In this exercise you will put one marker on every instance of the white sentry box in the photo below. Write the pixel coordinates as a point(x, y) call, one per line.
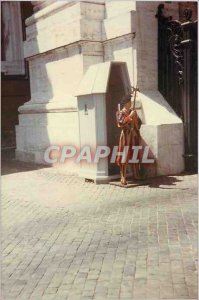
point(98, 95)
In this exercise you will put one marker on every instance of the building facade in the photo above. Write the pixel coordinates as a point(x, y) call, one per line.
point(64, 39)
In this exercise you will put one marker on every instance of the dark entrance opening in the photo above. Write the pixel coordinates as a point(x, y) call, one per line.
point(118, 86)
point(14, 72)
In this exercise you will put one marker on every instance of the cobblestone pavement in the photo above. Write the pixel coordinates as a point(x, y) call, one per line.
point(67, 239)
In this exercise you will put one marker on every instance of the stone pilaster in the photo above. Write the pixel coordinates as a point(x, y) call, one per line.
point(63, 40)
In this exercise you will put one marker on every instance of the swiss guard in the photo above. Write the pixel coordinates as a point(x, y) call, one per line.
point(130, 123)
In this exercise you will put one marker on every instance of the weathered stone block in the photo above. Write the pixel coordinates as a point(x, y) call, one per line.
point(115, 8)
point(63, 26)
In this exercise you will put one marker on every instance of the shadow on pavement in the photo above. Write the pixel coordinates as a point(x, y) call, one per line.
point(167, 182)
point(161, 182)
point(9, 165)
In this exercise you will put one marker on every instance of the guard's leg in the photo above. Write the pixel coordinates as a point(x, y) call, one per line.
point(123, 177)
point(136, 171)
point(121, 174)
point(125, 168)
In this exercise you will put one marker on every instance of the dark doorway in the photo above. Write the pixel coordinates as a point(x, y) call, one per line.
point(14, 73)
point(117, 88)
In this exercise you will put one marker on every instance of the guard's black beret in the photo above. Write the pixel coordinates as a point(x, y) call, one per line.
point(126, 98)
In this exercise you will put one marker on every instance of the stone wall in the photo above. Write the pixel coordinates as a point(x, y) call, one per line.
point(63, 40)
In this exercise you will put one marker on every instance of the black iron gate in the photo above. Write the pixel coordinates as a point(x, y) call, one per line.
point(177, 75)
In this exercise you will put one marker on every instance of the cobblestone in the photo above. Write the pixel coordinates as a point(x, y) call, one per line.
point(69, 239)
